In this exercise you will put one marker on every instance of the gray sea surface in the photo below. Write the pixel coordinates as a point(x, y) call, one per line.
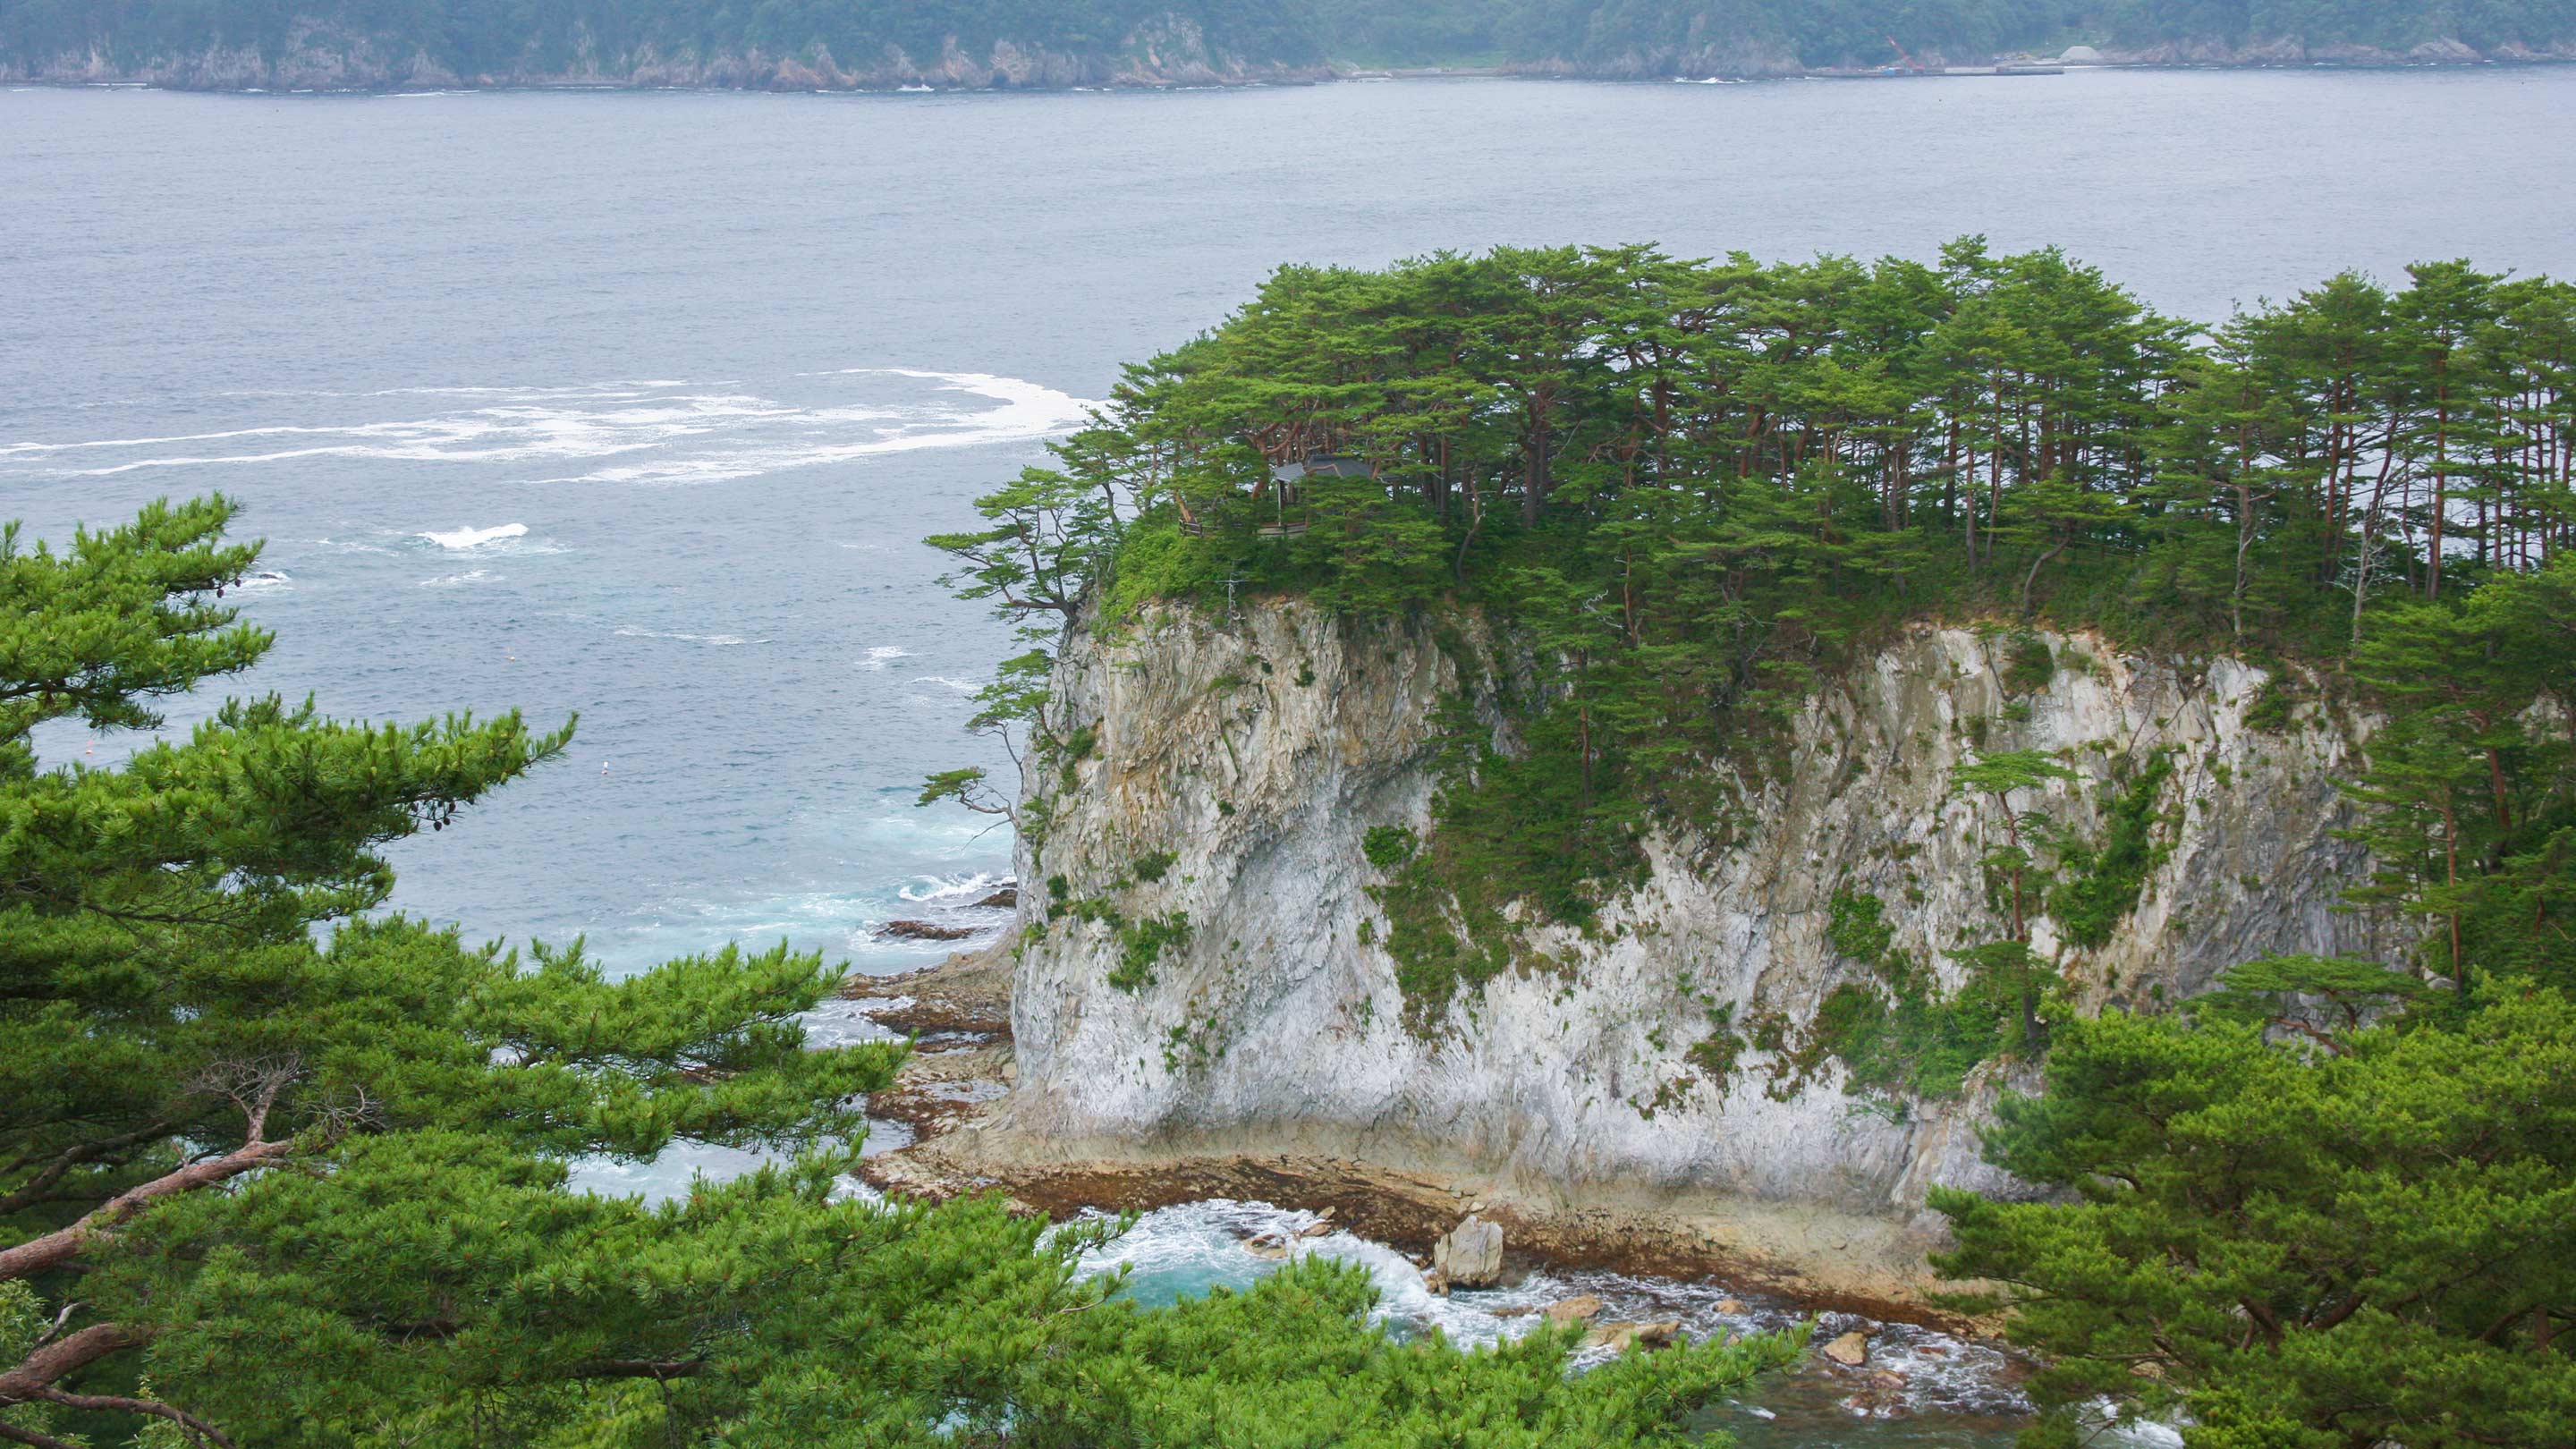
point(636, 405)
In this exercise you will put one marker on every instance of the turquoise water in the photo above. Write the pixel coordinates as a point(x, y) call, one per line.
point(1952, 1394)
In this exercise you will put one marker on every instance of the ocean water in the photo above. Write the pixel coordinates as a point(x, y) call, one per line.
point(636, 405)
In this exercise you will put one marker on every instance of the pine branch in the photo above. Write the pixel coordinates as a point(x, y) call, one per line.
point(59, 1247)
point(39, 1188)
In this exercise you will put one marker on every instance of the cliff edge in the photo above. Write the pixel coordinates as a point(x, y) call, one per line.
point(1205, 970)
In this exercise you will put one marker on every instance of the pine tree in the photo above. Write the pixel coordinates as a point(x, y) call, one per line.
point(2298, 1249)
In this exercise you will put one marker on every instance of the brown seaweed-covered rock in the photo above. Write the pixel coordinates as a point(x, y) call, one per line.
point(923, 931)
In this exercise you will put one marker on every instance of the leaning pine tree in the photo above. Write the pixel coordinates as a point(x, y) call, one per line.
point(276, 1171)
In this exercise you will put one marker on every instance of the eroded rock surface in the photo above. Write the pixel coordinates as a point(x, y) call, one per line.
point(1249, 759)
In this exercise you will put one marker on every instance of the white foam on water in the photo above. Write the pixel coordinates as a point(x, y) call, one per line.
point(661, 431)
point(476, 537)
point(31, 447)
point(950, 889)
point(631, 631)
point(452, 581)
point(838, 1021)
point(1028, 411)
point(878, 656)
point(683, 1163)
point(533, 425)
point(962, 686)
point(1183, 1251)
point(265, 581)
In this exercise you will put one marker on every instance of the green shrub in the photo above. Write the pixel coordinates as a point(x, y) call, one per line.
point(2032, 666)
point(1855, 927)
point(1715, 1054)
point(2101, 882)
point(1388, 846)
point(1141, 946)
point(2272, 706)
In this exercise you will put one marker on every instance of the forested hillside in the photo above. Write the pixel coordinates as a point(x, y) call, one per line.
point(792, 43)
point(806, 43)
point(1664, 37)
point(2329, 1202)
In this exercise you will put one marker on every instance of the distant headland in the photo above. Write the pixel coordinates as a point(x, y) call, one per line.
point(338, 45)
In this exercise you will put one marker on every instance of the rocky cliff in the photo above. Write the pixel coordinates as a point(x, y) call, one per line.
point(1213, 969)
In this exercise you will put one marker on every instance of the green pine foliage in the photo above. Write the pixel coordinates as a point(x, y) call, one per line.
point(277, 1169)
point(2372, 1244)
point(2329, 1203)
point(2100, 882)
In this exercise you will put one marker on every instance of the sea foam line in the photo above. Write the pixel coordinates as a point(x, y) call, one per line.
point(681, 437)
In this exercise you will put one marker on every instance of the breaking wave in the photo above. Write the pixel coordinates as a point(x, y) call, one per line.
point(644, 432)
point(951, 890)
point(476, 537)
point(630, 631)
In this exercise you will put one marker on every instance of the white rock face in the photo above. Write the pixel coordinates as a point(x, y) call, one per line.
point(1258, 754)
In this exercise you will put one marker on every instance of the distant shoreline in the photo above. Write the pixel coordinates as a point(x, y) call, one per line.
point(1284, 78)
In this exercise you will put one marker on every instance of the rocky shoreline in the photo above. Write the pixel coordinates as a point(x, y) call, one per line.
point(953, 1095)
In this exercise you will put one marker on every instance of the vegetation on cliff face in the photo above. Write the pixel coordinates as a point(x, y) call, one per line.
point(2333, 1203)
point(277, 1171)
